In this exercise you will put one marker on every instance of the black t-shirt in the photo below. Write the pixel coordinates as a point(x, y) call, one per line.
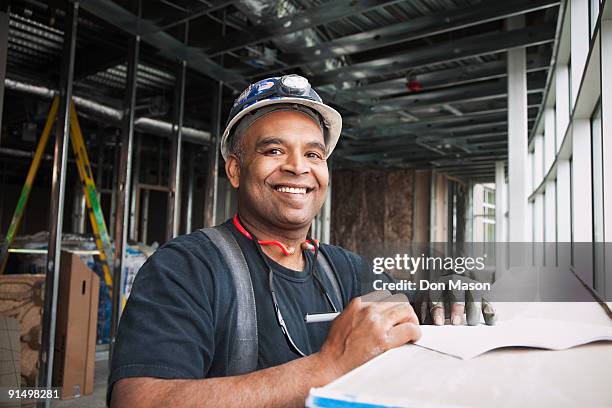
point(180, 318)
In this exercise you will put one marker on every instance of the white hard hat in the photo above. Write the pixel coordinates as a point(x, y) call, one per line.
point(288, 89)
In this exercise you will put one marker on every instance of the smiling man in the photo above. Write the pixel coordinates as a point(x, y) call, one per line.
point(217, 317)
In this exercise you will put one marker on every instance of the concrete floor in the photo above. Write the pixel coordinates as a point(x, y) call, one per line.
point(98, 398)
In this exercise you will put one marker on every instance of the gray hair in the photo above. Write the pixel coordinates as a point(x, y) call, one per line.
point(236, 146)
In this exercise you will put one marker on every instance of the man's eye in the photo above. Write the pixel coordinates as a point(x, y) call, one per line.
point(313, 155)
point(274, 152)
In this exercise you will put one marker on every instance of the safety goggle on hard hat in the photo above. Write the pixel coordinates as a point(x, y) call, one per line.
point(288, 89)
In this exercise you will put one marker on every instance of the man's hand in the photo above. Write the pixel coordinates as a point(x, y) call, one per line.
point(465, 306)
point(369, 326)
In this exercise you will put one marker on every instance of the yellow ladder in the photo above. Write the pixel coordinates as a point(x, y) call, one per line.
point(89, 189)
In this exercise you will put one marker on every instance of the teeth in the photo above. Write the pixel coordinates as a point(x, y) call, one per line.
point(292, 190)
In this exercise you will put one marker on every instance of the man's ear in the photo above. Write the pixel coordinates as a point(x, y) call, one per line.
point(232, 169)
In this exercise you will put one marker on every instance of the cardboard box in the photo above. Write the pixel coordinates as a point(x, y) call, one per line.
point(21, 297)
point(10, 359)
point(77, 317)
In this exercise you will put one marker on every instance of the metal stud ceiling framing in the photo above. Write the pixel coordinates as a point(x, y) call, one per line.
point(360, 54)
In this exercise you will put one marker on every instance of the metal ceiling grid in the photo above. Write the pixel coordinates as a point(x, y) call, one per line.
point(35, 53)
point(453, 49)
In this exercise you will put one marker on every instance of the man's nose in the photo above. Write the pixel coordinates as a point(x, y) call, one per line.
point(296, 163)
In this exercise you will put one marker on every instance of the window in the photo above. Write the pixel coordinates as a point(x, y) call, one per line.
point(556, 249)
point(534, 182)
point(488, 211)
point(533, 227)
point(594, 6)
point(556, 137)
point(484, 212)
point(598, 205)
point(543, 215)
point(489, 197)
point(490, 232)
point(571, 169)
point(570, 104)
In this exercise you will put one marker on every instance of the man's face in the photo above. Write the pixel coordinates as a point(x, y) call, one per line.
point(283, 176)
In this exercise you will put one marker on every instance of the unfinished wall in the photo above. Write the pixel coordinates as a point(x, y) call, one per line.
point(36, 214)
point(439, 219)
point(372, 207)
point(422, 199)
point(462, 192)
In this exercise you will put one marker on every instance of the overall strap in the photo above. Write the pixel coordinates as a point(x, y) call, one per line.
point(244, 353)
point(324, 265)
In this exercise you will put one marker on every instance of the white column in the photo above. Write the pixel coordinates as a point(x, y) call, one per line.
point(549, 139)
point(477, 199)
point(469, 214)
point(564, 216)
point(550, 222)
point(581, 170)
point(532, 229)
point(562, 102)
point(606, 123)
point(500, 201)
point(582, 198)
point(579, 42)
point(506, 207)
point(517, 139)
point(500, 210)
point(530, 188)
point(538, 220)
point(550, 232)
point(538, 225)
point(538, 163)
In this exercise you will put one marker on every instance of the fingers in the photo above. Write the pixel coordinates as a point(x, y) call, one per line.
point(436, 307)
point(402, 334)
point(399, 314)
point(437, 313)
point(473, 307)
point(477, 305)
point(457, 298)
point(367, 328)
point(457, 312)
point(394, 310)
point(472, 312)
point(462, 306)
point(488, 311)
point(423, 312)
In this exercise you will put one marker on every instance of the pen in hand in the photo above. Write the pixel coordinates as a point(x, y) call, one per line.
point(320, 317)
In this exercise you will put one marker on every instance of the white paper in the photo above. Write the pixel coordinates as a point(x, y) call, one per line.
point(470, 341)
